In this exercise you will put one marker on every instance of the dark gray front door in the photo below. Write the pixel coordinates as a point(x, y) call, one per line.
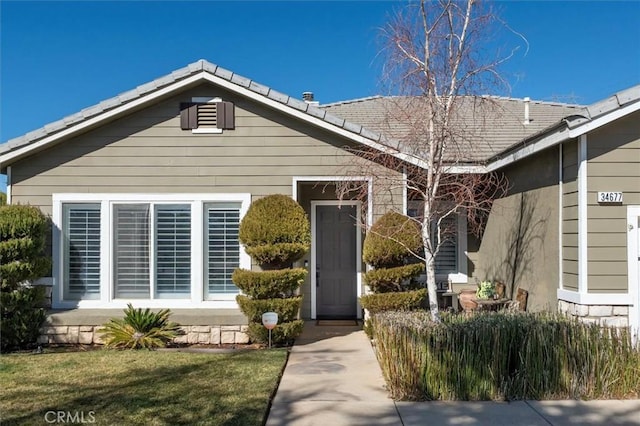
point(336, 261)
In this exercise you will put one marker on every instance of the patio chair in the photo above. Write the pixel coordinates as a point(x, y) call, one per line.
point(521, 297)
point(520, 302)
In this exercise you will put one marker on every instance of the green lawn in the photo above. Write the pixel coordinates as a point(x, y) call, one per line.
point(140, 387)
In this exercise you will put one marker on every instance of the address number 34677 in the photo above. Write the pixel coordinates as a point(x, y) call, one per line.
point(610, 197)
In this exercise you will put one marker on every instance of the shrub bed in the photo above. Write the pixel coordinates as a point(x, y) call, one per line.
point(504, 356)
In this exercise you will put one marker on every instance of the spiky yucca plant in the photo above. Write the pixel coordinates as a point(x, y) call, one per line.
point(140, 329)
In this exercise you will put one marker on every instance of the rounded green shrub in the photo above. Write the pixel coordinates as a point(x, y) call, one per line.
point(391, 240)
point(269, 284)
point(400, 278)
point(395, 301)
point(282, 334)
point(275, 231)
point(278, 255)
point(23, 231)
point(287, 309)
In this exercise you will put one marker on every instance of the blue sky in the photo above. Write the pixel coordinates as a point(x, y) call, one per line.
point(60, 57)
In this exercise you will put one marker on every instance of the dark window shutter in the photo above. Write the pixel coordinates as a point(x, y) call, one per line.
point(226, 115)
point(188, 115)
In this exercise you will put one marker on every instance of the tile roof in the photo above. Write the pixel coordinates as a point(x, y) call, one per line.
point(497, 126)
point(497, 129)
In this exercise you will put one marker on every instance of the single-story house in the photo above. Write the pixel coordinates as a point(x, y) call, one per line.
point(146, 191)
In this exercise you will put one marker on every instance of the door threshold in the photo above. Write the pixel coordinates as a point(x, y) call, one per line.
point(338, 322)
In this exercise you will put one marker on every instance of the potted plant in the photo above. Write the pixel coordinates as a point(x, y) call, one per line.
point(486, 290)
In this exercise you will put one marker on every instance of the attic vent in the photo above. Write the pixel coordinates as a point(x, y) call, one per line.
point(207, 115)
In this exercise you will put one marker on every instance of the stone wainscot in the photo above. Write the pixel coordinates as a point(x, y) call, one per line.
point(83, 326)
point(608, 315)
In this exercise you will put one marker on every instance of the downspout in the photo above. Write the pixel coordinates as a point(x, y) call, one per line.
point(8, 185)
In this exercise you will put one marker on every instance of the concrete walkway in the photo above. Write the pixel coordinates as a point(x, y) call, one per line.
point(333, 378)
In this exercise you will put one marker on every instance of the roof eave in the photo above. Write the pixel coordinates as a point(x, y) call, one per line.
point(192, 74)
point(566, 129)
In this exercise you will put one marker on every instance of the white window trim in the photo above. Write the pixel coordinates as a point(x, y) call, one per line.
point(106, 201)
point(206, 100)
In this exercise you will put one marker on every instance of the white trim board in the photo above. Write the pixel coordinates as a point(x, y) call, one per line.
point(312, 280)
point(621, 299)
point(315, 179)
point(583, 260)
point(633, 265)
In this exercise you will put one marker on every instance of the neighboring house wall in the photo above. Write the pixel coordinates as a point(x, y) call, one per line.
point(613, 154)
point(519, 245)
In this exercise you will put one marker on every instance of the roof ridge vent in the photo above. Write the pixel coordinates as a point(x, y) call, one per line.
point(308, 98)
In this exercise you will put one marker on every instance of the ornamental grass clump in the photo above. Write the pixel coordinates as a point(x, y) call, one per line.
point(389, 247)
point(140, 329)
point(504, 356)
point(275, 232)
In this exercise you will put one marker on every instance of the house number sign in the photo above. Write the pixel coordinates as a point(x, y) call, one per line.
point(609, 197)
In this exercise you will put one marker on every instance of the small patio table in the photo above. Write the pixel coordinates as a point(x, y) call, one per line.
point(491, 304)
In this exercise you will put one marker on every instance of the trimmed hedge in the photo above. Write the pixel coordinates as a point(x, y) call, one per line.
point(392, 279)
point(275, 230)
point(394, 301)
point(284, 333)
point(21, 317)
point(269, 284)
point(275, 256)
point(287, 309)
point(391, 240)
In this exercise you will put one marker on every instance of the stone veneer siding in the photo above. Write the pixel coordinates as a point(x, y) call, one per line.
point(608, 315)
point(194, 334)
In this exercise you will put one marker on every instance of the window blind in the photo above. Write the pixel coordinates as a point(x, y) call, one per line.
point(447, 257)
point(173, 250)
point(222, 247)
point(81, 251)
point(131, 250)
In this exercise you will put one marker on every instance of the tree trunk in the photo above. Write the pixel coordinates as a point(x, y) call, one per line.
point(432, 288)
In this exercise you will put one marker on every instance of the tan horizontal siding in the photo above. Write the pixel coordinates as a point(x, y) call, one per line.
point(607, 254)
point(613, 153)
point(611, 225)
point(570, 253)
point(570, 214)
point(569, 281)
point(607, 239)
point(607, 290)
point(570, 239)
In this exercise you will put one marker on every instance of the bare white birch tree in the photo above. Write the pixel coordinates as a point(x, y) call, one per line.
point(440, 57)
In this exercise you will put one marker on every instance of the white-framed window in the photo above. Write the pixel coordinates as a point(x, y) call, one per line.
point(170, 250)
point(451, 260)
point(222, 248)
point(81, 242)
